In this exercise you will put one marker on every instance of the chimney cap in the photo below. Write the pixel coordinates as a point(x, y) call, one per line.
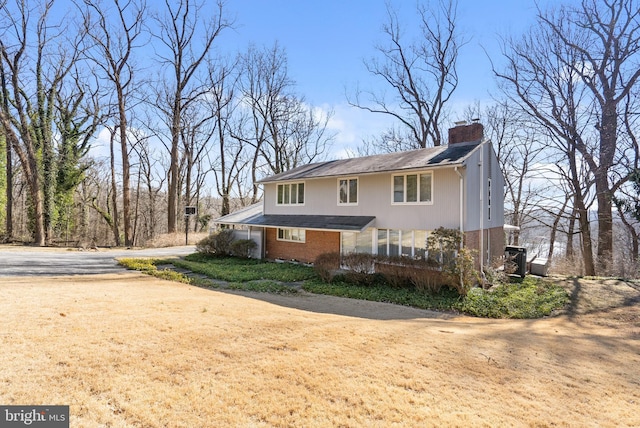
point(460, 122)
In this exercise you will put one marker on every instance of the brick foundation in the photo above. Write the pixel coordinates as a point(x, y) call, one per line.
point(317, 242)
point(493, 239)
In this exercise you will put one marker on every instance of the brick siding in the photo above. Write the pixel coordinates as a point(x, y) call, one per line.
point(317, 242)
point(496, 242)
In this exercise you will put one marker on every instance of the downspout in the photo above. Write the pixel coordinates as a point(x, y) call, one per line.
point(481, 165)
point(461, 205)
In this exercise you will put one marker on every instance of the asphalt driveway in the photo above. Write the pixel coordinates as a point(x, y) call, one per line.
point(33, 261)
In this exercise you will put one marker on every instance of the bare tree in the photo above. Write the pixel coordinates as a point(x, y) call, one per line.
point(518, 150)
point(36, 59)
point(421, 74)
point(152, 178)
point(574, 73)
point(96, 191)
point(609, 68)
point(281, 128)
point(8, 167)
point(115, 38)
point(188, 35)
point(197, 131)
point(77, 119)
point(227, 160)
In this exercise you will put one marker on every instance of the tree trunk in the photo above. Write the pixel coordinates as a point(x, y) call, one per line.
point(114, 196)
point(38, 209)
point(48, 188)
point(605, 224)
point(554, 229)
point(9, 192)
point(174, 170)
point(587, 246)
point(608, 142)
point(126, 172)
point(570, 252)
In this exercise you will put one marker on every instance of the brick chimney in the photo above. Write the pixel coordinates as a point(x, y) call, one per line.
point(465, 132)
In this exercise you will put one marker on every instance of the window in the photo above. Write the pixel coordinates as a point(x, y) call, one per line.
point(383, 241)
point(419, 244)
point(406, 243)
point(293, 235)
point(353, 242)
point(386, 242)
point(412, 188)
point(348, 191)
point(290, 193)
point(394, 243)
point(363, 242)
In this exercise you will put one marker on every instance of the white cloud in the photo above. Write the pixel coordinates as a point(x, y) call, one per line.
point(100, 144)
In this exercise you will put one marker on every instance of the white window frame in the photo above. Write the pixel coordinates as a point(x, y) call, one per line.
point(404, 190)
point(348, 180)
point(402, 234)
point(290, 186)
point(299, 236)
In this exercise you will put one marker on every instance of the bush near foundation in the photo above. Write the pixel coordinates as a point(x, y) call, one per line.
point(360, 268)
point(242, 248)
point(326, 265)
point(220, 244)
point(425, 275)
point(394, 271)
point(447, 265)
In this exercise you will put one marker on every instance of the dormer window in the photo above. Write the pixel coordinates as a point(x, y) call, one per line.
point(291, 194)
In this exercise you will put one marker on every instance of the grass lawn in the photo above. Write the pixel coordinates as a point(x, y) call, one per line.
point(521, 298)
point(126, 349)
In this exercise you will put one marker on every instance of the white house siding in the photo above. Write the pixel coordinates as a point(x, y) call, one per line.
point(472, 196)
point(375, 198)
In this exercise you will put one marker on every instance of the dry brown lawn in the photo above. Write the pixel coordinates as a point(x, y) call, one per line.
point(128, 350)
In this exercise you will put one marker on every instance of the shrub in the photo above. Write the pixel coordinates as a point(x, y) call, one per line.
point(493, 275)
point(456, 264)
point(393, 270)
point(242, 248)
point(462, 273)
point(326, 265)
point(206, 245)
point(447, 265)
point(426, 279)
point(443, 245)
point(424, 275)
point(360, 268)
point(217, 244)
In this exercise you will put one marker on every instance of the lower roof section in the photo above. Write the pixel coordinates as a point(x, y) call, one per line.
point(253, 216)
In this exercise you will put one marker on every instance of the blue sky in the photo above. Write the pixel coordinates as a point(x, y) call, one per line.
point(327, 41)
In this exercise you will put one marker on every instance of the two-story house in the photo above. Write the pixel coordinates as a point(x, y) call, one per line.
point(383, 204)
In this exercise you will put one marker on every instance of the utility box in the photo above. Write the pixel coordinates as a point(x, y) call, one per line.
point(539, 266)
point(515, 260)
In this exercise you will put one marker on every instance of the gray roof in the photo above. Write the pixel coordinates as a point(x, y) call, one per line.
point(449, 155)
point(252, 216)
